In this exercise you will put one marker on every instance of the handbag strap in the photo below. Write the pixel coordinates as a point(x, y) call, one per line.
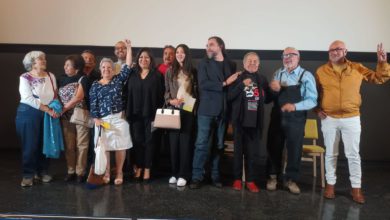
point(77, 88)
point(52, 86)
point(167, 107)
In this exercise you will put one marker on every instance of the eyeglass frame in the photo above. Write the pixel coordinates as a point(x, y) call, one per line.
point(289, 55)
point(337, 49)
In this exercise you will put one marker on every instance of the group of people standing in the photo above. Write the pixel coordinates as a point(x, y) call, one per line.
point(126, 95)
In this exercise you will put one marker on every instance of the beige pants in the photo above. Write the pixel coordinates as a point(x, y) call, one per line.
point(76, 138)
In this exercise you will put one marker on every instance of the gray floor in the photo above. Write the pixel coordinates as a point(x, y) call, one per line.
point(159, 200)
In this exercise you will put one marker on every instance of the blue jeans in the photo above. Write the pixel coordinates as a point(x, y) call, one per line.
point(29, 128)
point(207, 125)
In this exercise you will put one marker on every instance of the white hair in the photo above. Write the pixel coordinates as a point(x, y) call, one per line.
point(30, 57)
point(293, 48)
point(249, 54)
point(107, 60)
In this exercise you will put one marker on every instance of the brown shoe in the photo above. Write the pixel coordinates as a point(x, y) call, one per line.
point(293, 187)
point(357, 195)
point(271, 183)
point(329, 191)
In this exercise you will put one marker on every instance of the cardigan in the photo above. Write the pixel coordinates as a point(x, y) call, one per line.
point(237, 97)
point(172, 86)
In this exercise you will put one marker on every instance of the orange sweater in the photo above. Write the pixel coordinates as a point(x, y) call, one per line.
point(339, 94)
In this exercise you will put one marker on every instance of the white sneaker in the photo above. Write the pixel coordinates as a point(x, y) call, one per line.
point(181, 182)
point(46, 178)
point(172, 180)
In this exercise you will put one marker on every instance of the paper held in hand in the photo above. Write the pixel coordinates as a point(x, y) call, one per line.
point(189, 103)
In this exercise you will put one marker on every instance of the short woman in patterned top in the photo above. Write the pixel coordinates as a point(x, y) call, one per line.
point(107, 106)
point(37, 89)
point(76, 137)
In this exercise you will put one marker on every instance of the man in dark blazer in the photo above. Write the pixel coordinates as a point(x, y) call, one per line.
point(215, 74)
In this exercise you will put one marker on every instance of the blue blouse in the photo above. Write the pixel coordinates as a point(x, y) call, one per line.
point(107, 99)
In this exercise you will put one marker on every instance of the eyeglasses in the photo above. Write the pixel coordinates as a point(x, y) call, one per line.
point(289, 55)
point(337, 49)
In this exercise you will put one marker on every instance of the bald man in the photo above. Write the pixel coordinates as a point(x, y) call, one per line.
point(120, 53)
point(338, 84)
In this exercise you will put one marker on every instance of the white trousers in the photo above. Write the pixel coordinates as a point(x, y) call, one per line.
point(349, 129)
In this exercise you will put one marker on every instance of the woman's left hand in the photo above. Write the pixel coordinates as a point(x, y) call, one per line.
point(98, 122)
point(53, 114)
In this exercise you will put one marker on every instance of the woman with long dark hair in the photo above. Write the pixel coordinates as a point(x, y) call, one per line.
point(180, 88)
point(145, 95)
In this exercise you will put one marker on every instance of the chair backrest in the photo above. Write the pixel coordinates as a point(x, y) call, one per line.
point(311, 130)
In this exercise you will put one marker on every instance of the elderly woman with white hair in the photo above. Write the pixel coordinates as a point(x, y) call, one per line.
point(247, 95)
point(107, 106)
point(37, 89)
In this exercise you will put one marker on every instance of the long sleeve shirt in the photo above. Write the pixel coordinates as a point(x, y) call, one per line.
point(36, 90)
point(107, 99)
point(308, 87)
point(339, 89)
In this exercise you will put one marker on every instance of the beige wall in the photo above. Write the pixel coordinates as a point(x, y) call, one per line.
point(244, 24)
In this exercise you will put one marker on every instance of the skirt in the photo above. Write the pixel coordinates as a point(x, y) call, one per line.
point(117, 136)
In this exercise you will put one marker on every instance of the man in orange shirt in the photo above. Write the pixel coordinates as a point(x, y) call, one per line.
point(338, 84)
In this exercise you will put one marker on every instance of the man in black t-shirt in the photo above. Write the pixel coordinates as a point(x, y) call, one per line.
point(215, 74)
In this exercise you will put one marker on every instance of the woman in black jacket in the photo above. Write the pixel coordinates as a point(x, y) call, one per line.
point(180, 91)
point(145, 95)
point(247, 96)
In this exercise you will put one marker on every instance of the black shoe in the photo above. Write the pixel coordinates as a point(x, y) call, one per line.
point(217, 184)
point(195, 184)
point(80, 178)
point(70, 177)
point(146, 181)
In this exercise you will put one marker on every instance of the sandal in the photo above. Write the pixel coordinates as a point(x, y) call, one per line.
point(106, 178)
point(146, 177)
point(119, 179)
point(137, 174)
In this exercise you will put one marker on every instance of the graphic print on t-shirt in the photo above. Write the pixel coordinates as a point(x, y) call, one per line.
point(252, 96)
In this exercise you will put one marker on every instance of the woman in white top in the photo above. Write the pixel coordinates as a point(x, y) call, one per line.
point(37, 89)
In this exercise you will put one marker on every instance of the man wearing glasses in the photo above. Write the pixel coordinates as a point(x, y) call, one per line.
point(120, 53)
point(339, 101)
point(294, 93)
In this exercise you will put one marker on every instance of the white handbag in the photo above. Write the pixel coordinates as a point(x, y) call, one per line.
point(100, 154)
point(167, 118)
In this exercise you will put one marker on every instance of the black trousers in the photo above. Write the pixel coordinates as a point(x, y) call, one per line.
point(285, 130)
point(247, 146)
point(143, 141)
point(182, 146)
